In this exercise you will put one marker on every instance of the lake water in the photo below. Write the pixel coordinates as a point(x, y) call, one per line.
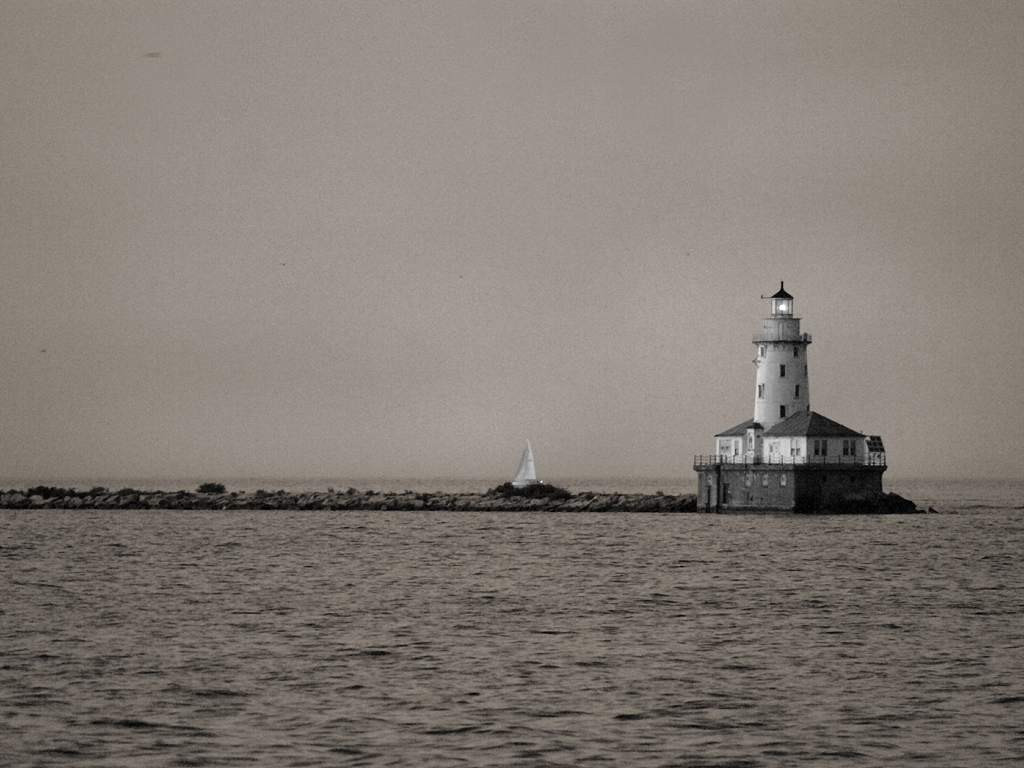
point(497, 639)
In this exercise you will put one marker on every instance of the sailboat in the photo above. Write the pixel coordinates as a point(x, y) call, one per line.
point(527, 474)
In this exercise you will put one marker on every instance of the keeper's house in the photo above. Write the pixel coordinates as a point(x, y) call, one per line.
point(788, 457)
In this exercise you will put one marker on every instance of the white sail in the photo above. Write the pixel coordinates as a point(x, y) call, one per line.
point(527, 474)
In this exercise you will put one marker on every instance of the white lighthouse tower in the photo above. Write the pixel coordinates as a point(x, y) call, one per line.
point(782, 381)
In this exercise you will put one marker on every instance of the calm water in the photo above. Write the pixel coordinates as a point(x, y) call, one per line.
point(471, 639)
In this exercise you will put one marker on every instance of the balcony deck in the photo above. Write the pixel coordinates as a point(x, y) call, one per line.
point(761, 338)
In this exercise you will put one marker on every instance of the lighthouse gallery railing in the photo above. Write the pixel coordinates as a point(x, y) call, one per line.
point(869, 460)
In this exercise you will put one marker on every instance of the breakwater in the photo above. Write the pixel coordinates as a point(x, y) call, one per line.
point(128, 498)
point(501, 499)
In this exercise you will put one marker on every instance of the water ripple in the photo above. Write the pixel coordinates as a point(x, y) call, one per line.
point(375, 639)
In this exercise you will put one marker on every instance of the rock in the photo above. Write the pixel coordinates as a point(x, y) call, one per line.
point(893, 503)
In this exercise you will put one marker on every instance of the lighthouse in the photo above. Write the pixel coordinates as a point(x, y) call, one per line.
point(788, 457)
point(782, 382)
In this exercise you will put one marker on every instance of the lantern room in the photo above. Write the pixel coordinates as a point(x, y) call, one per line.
point(782, 303)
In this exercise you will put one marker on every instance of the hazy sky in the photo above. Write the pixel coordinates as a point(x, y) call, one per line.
point(400, 238)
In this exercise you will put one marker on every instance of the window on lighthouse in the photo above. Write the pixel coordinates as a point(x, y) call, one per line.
point(782, 371)
point(782, 411)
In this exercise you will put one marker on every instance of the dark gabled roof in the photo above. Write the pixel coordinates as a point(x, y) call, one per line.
point(810, 424)
point(782, 292)
point(739, 429)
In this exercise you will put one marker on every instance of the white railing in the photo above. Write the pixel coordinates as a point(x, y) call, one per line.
point(781, 335)
point(866, 460)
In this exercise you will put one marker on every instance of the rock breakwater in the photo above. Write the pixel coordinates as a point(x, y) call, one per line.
point(352, 499)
